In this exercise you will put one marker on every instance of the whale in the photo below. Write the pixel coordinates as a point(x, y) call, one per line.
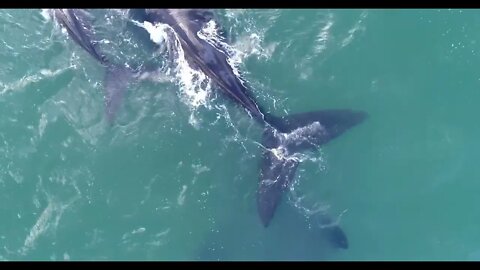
point(79, 25)
point(283, 136)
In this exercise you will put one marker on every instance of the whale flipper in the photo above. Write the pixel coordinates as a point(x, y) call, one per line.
point(334, 234)
point(291, 135)
point(117, 79)
point(79, 27)
point(275, 177)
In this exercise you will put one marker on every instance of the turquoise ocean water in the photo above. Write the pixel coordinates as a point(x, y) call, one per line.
point(175, 177)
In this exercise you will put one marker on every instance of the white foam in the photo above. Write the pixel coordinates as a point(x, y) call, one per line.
point(46, 14)
point(157, 32)
point(210, 34)
point(297, 136)
point(324, 35)
point(160, 238)
point(195, 86)
point(181, 196)
point(42, 224)
point(358, 27)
